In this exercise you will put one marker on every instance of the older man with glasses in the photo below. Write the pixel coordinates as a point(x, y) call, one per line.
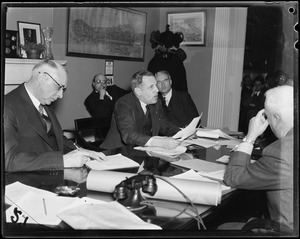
point(32, 134)
point(100, 103)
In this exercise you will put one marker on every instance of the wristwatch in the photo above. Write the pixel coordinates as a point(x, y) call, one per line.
point(250, 141)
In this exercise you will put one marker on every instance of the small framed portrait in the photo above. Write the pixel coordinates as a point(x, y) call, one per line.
point(29, 33)
point(110, 79)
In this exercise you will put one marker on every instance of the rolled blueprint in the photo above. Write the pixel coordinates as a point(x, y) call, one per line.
point(200, 192)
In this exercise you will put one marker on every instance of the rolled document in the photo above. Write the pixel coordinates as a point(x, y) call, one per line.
point(200, 192)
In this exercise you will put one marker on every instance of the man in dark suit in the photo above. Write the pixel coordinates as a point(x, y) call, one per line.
point(273, 172)
point(100, 103)
point(32, 134)
point(139, 118)
point(179, 105)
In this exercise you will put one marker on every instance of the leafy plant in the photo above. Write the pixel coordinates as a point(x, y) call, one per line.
point(33, 46)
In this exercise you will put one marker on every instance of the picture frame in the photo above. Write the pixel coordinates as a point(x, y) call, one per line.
point(29, 32)
point(103, 32)
point(191, 24)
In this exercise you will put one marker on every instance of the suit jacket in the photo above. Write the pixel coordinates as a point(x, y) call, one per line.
point(104, 108)
point(181, 109)
point(273, 172)
point(27, 146)
point(126, 125)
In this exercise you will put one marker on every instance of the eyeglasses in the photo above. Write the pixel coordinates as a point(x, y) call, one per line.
point(60, 87)
point(101, 81)
point(165, 81)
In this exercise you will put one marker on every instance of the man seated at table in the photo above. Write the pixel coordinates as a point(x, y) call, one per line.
point(100, 103)
point(32, 134)
point(139, 118)
point(273, 172)
point(179, 105)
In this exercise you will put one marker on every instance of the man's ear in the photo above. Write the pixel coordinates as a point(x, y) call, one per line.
point(276, 120)
point(137, 91)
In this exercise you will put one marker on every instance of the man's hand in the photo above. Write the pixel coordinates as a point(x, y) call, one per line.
point(102, 93)
point(257, 125)
point(165, 142)
point(78, 175)
point(77, 158)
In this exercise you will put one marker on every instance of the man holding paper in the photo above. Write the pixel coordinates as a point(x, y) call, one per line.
point(139, 118)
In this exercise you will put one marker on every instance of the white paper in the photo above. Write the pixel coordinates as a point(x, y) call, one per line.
point(212, 133)
point(103, 215)
point(113, 162)
point(15, 191)
point(165, 152)
point(201, 192)
point(39, 209)
point(188, 130)
point(200, 165)
point(206, 143)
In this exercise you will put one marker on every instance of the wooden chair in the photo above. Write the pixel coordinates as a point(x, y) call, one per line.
point(90, 132)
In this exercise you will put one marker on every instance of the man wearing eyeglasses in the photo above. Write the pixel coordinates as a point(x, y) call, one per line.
point(32, 134)
point(100, 103)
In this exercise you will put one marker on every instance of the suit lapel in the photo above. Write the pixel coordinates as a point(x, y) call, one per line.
point(32, 115)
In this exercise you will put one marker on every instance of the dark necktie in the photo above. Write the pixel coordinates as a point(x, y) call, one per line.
point(163, 101)
point(148, 113)
point(46, 120)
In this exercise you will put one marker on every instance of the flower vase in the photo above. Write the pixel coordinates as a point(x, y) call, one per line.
point(48, 32)
point(34, 54)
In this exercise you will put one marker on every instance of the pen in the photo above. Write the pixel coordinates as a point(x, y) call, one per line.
point(99, 160)
point(45, 209)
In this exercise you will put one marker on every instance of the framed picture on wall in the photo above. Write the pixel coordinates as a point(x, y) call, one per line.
point(103, 32)
point(191, 24)
point(29, 33)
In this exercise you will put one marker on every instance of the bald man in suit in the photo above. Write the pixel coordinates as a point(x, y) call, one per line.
point(32, 134)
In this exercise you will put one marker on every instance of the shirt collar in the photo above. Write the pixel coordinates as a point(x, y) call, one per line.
point(34, 100)
point(143, 107)
point(168, 97)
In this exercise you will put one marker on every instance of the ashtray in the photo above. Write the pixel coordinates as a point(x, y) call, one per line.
point(67, 190)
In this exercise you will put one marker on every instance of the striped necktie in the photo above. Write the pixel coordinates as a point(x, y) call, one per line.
point(46, 120)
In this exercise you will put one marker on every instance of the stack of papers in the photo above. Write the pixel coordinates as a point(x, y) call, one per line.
point(113, 162)
point(212, 133)
point(164, 152)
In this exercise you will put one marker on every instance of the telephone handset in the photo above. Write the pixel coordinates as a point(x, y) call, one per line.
point(128, 192)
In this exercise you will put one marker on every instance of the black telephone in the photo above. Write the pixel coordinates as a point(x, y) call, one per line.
point(128, 192)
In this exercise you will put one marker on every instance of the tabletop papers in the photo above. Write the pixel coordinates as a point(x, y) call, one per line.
point(35, 208)
point(113, 162)
point(204, 168)
point(201, 192)
point(165, 152)
point(92, 214)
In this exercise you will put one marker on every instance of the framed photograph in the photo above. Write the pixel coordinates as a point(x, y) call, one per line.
point(111, 33)
point(110, 79)
point(191, 24)
point(29, 32)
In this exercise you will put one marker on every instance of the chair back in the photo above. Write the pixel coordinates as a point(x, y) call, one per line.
point(90, 132)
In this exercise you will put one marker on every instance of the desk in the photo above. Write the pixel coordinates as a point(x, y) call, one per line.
point(173, 217)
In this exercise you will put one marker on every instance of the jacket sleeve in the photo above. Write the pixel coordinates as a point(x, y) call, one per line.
point(127, 124)
point(30, 157)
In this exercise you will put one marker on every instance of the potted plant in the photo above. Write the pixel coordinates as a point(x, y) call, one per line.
point(33, 50)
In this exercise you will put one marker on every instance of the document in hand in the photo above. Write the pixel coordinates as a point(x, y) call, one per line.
point(188, 130)
point(113, 162)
